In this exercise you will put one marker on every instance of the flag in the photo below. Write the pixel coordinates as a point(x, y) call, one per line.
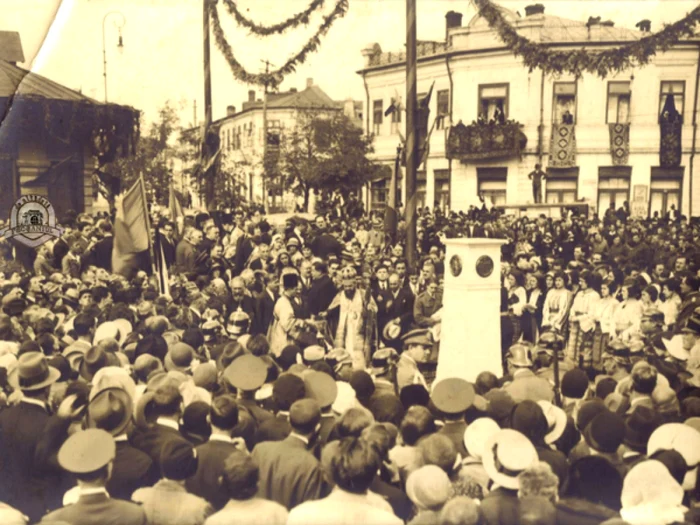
point(425, 147)
point(132, 239)
point(176, 213)
point(160, 265)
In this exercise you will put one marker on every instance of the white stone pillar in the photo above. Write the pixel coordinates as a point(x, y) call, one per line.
point(470, 340)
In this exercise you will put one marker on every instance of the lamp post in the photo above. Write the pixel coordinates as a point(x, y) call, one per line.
point(120, 43)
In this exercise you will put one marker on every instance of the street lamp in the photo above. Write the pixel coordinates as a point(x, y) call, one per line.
point(120, 43)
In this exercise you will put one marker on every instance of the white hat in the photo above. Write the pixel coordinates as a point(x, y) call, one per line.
point(556, 421)
point(477, 434)
point(685, 440)
point(506, 454)
point(107, 330)
point(645, 502)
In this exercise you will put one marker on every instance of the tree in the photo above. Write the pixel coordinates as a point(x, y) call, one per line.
point(324, 153)
point(154, 153)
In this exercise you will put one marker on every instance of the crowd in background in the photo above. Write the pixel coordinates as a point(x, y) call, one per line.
point(282, 373)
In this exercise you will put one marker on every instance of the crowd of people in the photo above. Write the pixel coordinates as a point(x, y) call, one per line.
point(281, 373)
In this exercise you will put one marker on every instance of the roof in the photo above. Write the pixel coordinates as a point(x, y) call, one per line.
point(542, 28)
point(15, 80)
point(11, 46)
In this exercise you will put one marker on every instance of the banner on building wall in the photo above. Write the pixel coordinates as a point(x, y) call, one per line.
point(562, 149)
point(670, 146)
point(639, 204)
point(620, 144)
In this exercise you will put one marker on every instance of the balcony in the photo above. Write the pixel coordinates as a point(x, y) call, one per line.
point(483, 141)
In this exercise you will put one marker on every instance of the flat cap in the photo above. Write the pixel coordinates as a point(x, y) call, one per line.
point(320, 387)
point(246, 372)
point(452, 395)
point(87, 451)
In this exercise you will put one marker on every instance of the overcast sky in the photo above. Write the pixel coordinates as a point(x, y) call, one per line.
point(162, 54)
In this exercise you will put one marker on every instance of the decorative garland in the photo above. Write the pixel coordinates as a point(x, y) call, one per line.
point(539, 56)
point(273, 78)
point(294, 21)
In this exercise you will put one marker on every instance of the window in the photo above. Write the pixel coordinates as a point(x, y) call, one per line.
point(493, 102)
point(671, 101)
point(396, 116)
point(665, 191)
point(380, 194)
point(442, 189)
point(273, 133)
point(613, 187)
point(378, 115)
point(491, 184)
point(619, 95)
point(564, 106)
point(561, 185)
point(443, 108)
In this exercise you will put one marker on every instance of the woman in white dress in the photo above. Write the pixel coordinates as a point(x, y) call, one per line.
point(603, 314)
point(517, 298)
point(672, 302)
point(629, 313)
point(581, 321)
point(556, 305)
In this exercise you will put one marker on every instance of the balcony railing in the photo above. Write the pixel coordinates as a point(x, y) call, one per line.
point(479, 141)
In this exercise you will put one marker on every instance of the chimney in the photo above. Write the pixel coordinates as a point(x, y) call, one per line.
point(370, 53)
point(309, 82)
point(535, 9)
point(644, 25)
point(452, 19)
point(608, 23)
point(251, 95)
point(230, 111)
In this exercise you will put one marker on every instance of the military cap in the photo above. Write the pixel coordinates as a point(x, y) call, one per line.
point(87, 451)
point(246, 372)
point(692, 326)
point(551, 341)
point(417, 337)
point(619, 351)
point(452, 395)
point(338, 356)
point(382, 358)
point(321, 387)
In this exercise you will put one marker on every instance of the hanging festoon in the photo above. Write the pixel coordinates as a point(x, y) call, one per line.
point(292, 22)
point(273, 78)
point(577, 62)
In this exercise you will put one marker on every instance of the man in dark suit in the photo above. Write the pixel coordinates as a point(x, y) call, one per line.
point(239, 299)
point(223, 415)
point(167, 242)
point(88, 455)
point(100, 254)
point(322, 290)
point(289, 472)
point(25, 484)
point(111, 411)
point(400, 305)
point(265, 304)
point(166, 405)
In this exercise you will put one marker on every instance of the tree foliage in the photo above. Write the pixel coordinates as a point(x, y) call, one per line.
point(325, 153)
point(154, 155)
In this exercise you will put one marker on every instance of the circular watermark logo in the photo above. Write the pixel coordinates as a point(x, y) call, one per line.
point(32, 221)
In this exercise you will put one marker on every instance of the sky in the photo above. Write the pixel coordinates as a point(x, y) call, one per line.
point(161, 57)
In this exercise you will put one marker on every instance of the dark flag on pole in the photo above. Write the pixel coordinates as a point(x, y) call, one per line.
point(390, 214)
point(422, 117)
point(160, 265)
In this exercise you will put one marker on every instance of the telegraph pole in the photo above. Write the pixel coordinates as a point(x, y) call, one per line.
point(266, 202)
point(206, 154)
point(411, 142)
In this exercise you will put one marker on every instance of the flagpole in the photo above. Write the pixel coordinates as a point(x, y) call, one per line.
point(208, 184)
point(148, 224)
point(411, 143)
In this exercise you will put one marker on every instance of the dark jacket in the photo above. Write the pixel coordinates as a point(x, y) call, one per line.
point(101, 253)
point(455, 431)
point(132, 470)
point(210, 466)
point(500, 507)
point(574, 511)
point(31, 486)
point(320, 294)
point(289, 473)
point(98, 509)
point(152, 440)
point(264, 312)
point(324, 245)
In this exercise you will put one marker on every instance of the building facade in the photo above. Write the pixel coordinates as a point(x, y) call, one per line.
point(628, 137)
point(242, 138)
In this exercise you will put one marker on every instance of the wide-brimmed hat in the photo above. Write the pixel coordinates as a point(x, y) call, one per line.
point(33, 372)
point(111, 410)
point(639, 426)
point(107, 330)
point(556, 421)
point(506, 454)
point(392, 331)
point(321, 387)
point(478, 433)
point(679, 437)
point(605, 432)
point(428, 487)
point(95, 359)
point(382, 359)
point(651, 495)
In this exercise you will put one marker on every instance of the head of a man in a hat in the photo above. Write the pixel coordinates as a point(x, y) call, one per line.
point(691, 331)
point(89, 455)
point(349, 280)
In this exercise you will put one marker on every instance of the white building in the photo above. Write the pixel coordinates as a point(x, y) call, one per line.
point(241, 132)
point(474, 73)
